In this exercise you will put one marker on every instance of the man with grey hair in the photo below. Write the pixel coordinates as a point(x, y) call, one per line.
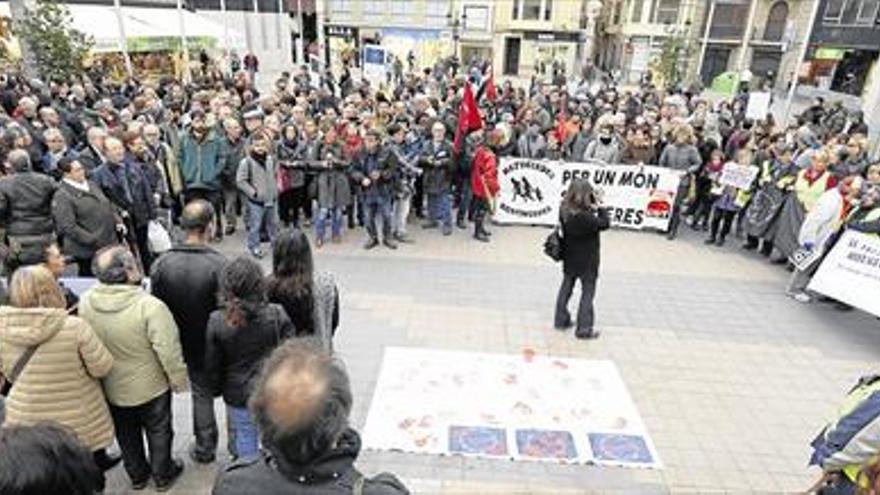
point(92, 155)
point(140, 333)
point(301, 403)
point(233, 154)
point(56, 149)
point(26, 210)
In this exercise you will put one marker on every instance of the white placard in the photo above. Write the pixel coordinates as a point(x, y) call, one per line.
point(851, 272)
point(759, 105)
point(739, 176)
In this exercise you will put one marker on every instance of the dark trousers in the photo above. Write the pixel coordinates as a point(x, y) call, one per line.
point(373, 207)
point(204, 421)
point(585, 310)
point(153, 419)
point(465, 197)
point(141, 237)
point(83, 267)
point(291, 202)
point(722, 219)
point(481, 209)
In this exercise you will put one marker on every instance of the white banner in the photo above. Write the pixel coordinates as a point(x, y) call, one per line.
point(637, 197)
point(851, 272)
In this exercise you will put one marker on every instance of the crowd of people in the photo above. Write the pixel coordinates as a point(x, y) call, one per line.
point(96, 171)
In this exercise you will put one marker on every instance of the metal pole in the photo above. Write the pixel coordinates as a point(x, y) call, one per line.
point(801, 59)
point(747, 36)
point(117, 4)
point(301, 51)
point(184, 50)
point(703, 48)
point(225, 33)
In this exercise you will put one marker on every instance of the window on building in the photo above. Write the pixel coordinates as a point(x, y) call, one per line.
point(402, 7)
point(637, 7)
point(777, 21)
point(340, 7)
point(834, 10)
point(548, 9)
point(374, 8)
point(531, 10)
point(666, 11)
point(868, 11)
point(476, 18)
point(729, 21)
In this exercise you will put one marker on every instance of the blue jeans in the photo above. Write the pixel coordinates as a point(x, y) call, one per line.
point(244, 441)
point(259, 215)
point(335, 217)
point(440, 208)
point(373, 206)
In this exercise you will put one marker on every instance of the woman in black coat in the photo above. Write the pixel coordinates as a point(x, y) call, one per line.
point(582, 221)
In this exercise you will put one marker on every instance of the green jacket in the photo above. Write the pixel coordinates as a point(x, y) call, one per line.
point(140, 333)
point(201, 163)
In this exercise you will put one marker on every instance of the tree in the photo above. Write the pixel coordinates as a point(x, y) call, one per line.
point(59, 51)
point(669, 64)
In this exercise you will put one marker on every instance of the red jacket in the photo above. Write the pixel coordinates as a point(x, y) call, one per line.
point(484, 171)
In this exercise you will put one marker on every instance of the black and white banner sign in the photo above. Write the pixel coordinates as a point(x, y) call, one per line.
point(636, 197)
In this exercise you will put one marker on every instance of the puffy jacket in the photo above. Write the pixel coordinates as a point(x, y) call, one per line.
point(484, 175)
point(201, 163)
point(26, 203)
point(60, 382)
point(140, 333)
point(187, 280)
point(84, 220)
point(331, 474)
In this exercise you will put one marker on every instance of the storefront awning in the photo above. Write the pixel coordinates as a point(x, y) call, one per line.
point(146, 29)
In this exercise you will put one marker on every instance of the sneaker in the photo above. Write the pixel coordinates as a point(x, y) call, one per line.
point(389, 244)
point(165, 484)
point(461, 224)
point(803, 298)
point(373, 242)
point(447, 230)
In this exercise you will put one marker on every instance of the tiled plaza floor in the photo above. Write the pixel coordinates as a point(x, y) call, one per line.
point(732, 378)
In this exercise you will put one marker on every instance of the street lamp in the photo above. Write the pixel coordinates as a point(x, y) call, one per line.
point(456, 21)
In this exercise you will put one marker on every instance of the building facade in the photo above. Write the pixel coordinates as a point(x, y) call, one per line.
point(530, 35)
point(632, 33)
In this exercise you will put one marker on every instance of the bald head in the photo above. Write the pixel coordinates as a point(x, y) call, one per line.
point(115, 265)
point(301, 401)
point(197, 218)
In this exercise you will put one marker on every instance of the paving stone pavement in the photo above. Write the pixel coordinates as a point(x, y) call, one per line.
point(732, 378)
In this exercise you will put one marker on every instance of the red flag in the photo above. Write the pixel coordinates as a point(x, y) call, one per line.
point(468, 117)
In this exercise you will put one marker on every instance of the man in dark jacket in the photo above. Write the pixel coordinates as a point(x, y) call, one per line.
point(301, 404)
point(126, 186)
point(84, 218)
point(436, 159)
point(374, 172)
point(187, 280)
point(26, 210)
point(92, 156)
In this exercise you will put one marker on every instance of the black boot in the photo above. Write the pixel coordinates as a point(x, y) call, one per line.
point(105, 461)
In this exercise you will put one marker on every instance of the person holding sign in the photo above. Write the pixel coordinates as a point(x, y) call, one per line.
point(734, 190)
point(581, 222)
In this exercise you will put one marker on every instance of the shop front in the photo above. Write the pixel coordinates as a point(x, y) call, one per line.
point(540, 50)
point(341, 46)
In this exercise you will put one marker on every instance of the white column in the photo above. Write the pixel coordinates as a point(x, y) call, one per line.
point(594, 7)
point(123, 46)
point(747, 37)
point(225, 33)
point(801, 59)
point(184, 49)
point(705, 45)
point(301, 49)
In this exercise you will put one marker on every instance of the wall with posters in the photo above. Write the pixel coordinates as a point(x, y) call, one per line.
point(851, 272)
point(637, 197)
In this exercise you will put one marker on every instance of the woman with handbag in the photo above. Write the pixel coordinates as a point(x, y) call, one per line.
point(239, 338)
point(581, 222)
point(53, 362)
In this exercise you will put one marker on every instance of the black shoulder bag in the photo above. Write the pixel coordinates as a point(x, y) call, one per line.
point(7, 384)
point(553, 244)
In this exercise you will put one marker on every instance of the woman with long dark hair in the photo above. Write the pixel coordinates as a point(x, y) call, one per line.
point(582, 221)
point(239, 337)
point(311, 299)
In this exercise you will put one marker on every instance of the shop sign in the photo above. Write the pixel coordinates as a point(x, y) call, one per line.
point(552, 36)
point(340, 31)
point(829, 53)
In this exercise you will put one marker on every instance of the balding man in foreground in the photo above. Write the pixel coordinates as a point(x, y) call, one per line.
point(301, 403)
point(140, 333)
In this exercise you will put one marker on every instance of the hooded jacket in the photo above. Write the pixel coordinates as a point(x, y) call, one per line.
point(60, 382)
point(140, 333)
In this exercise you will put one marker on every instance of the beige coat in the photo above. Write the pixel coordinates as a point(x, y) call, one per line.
point(60, 382)
point(140, 333)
